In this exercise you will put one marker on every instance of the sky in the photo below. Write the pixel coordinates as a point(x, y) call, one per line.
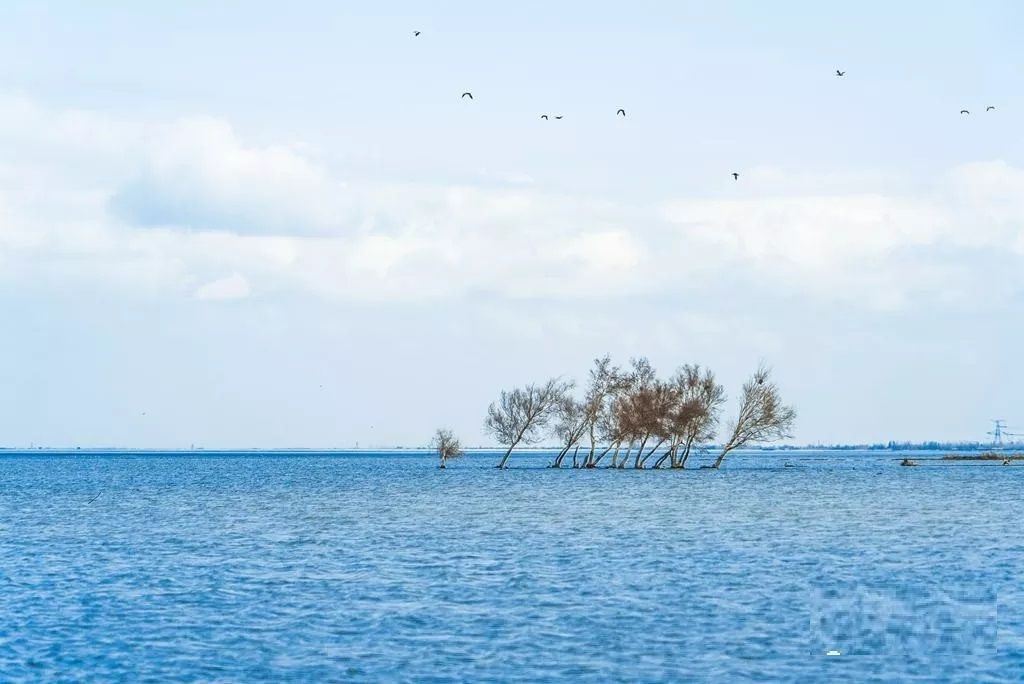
point(265, 224)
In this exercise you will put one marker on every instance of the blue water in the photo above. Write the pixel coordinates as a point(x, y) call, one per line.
point(321, 567)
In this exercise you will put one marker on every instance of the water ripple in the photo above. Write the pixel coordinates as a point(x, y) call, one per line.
point(368, 568)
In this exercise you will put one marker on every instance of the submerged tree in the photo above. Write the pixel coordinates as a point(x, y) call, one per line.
point(762, 416)
point(634, 414)
point(694, 414)
point(520, 415)
point(570, 426)
point(580, 418)
point(446, 445)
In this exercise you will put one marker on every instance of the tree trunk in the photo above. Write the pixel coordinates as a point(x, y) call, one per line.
point(686, 453)
point(603, 454)
point(643, 461)
point(625, 458)
point(561, 455)
point(640, 453)
point(721, 456)
point(504, 459)
point(593, 445)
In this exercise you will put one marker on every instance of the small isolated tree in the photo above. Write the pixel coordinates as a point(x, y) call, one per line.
point(762, 417)
point(446, 445)
point(520, 415)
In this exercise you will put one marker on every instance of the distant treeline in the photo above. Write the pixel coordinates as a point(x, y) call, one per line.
point(631, 418)
point(910, 446)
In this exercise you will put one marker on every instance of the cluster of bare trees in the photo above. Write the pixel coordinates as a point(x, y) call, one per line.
point(633, 418)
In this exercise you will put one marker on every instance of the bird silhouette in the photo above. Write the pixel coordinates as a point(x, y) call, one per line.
point(559, 116)
point(735, 176)
point(964, 111)
point(840, 73)
point(989, 108)
point(544, 116)
point(621, 111)
point(415, 33)
point(468, 94)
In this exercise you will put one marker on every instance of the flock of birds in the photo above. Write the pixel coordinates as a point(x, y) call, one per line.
point(622, 112)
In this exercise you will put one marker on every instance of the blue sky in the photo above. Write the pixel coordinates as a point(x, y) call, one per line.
point(278, 225)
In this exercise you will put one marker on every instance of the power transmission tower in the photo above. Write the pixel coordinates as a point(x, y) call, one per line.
point(997, 432)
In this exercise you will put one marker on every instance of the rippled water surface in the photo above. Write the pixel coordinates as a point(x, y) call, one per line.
point(328, 567)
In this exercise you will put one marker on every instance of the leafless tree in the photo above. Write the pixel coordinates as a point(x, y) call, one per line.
point(639, 412)
point(520, 415)
point(570, 426)
point(606, 382)
point(762, 416)
point(584, 417)
point(693, 415)
point(446, 445)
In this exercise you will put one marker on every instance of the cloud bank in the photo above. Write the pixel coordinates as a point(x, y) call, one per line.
point(167, 208)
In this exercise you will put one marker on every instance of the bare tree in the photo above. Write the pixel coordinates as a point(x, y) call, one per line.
point(655, 418)
point(606, 382)
point(639, 412)
point(446, 445)
point(695, 413)
point(570, 426)
point(520, 415)
point(762, 417)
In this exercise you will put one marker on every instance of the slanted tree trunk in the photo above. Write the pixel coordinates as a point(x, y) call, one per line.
point(513, 445)
point(603, 454)
point(721, 457)
point(504, 459)
point(686, 452)
point(670, 453)
point(625, 458)
point(657, 446)
point(640, 452)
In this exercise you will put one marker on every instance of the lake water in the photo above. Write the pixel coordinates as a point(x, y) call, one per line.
point(335, 567)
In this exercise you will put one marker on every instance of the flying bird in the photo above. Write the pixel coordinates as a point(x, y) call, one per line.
point(735, 176)
point(964, 111)
point(415, 33)
point(544, 116)
point(621, 111)
point(840, 73)
point(559, 116)
point(989, 108)
point(468, 94)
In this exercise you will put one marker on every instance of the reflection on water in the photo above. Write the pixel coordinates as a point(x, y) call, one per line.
point(382, 567)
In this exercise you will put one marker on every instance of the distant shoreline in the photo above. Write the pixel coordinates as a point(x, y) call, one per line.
point(964, 453)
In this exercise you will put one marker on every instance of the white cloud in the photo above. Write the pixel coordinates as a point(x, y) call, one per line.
point(234, 286)
point(157, 208)
point(197, 175)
